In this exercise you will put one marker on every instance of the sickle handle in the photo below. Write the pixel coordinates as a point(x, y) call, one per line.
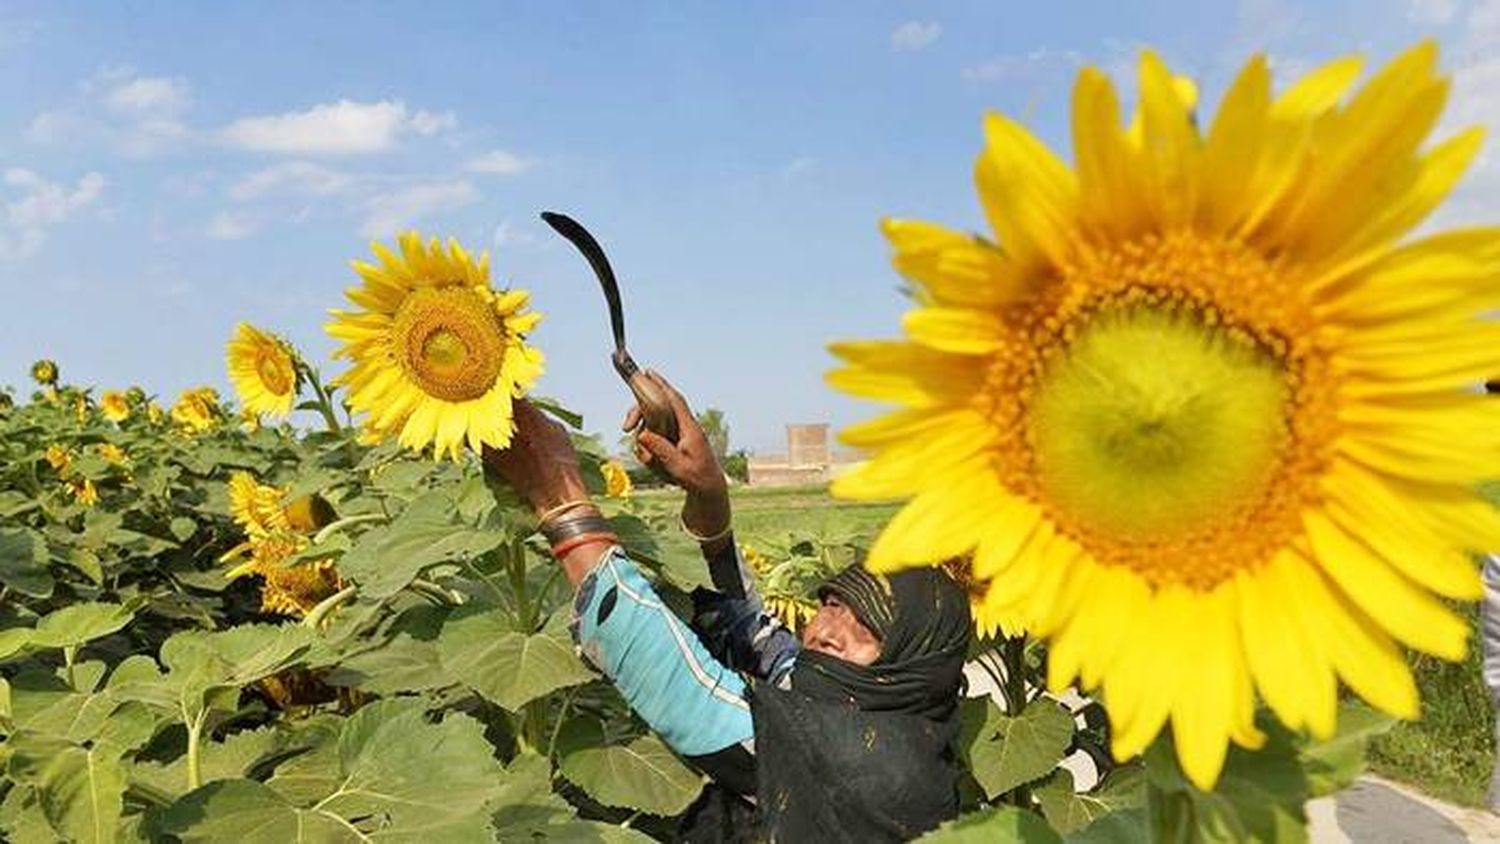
point(656, 411)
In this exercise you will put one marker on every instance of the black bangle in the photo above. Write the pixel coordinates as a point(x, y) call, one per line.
point(563, 529)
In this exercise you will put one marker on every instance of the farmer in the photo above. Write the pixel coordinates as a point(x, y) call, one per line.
point(845, 736)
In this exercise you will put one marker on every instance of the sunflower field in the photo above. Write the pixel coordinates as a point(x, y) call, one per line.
point(1201, 450)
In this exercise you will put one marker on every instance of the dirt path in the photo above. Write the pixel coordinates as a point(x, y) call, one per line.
point(1378, 811)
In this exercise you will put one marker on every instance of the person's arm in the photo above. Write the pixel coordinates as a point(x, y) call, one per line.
point(664, 673)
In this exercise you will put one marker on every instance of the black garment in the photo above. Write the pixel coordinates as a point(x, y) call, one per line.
point(865, 753)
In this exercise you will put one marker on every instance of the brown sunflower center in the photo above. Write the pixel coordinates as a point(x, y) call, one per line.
point(274, 372)
point(449, 342)
point(1168, 409)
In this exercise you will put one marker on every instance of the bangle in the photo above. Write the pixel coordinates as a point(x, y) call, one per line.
point(562, 549)
point(560, 509)
point(704, 540)
point(571, 526)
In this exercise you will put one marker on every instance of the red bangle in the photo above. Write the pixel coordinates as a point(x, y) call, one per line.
point(561, 549)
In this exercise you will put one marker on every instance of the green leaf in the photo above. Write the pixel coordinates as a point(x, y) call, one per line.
point(995, 826)
point(81, 791)
point(479, 647)
point(426, 534)
point(410, 777)
point(1129, 826)
point(22, 820)
point(43, 703)
point(233, 758)
point(408, 662)
point(183, 528)
point(642, 775)
point(1068, 810)
point(23, 563)
point(76, 624)
point(527, 807)
point(13, 640)
point(201, 663)
point(1004, 752)
point(1334, 764)
point(249, 812)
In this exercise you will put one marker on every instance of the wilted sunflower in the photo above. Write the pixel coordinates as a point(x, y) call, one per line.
point(44, 372)
point(616, 479)
point(114, 406)
point(197, 409)
point(83, 491)
point(1200, 421)
point(437, 355)
point(263, 370)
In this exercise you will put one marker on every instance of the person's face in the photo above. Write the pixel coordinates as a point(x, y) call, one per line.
point(837, 632)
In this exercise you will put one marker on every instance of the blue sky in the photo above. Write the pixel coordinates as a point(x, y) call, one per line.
point(168, 169)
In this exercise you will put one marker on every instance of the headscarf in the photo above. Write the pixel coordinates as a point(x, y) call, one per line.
point(865, 752)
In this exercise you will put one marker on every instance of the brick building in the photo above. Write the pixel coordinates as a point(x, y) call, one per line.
point(808, 459)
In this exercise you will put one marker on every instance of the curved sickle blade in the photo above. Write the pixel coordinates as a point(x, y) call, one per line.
point(594, 254)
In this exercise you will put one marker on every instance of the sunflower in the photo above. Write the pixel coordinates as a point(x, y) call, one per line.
point(59, 457)
point(83, 491)
point(154, 414)
point(250, 421)
point(114, 406)
point(793, 612)
point(257, 508)
point(616, 479)
point(44, 372)
point(112, 454)
point(197, 409)
point(263, 370)
point(437, 355)
point(1200, 419)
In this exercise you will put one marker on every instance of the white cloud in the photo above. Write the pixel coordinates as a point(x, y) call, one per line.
point(915, 35)
point(1436, 12)
point(498, 162)
point(147, 94)
point(1039, 62)
point(797, 166)
point(40, 205)
point(506, 234)
point(225, 226)
point(342, 128)
point(1483, 28)
point(298, 178)
point(390, 212)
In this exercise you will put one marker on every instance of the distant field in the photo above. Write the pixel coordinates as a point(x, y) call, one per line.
point(769, 513)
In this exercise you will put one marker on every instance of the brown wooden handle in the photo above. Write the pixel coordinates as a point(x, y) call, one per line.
point(656, 411)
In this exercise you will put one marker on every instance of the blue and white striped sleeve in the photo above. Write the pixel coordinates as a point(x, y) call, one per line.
point(693, 701)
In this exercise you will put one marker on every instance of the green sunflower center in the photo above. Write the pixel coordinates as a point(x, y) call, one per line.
point(450, 343)
point(1153, 424)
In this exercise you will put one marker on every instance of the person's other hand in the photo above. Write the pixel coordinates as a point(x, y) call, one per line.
point(540, 463)
point(689, 463)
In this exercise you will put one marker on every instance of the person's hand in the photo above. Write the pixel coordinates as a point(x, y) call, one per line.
point(689, 463)
point(540, 463)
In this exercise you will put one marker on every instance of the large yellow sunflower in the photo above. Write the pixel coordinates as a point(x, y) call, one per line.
point(263, 370)
point(437, 355)
point(1193, 413)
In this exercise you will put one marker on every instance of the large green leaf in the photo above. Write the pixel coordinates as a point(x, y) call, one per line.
point(201, 663)
point(479, 647)
point(77, 624)
point(427, 533)
point(995, 826)
point(22, 820)
point(1068, 810)
point(1127, 826)
point(1004, 752)
point(81, 792)
point(41, 702)
point(402, 776)
point(23, 563)
point(249, 812)
point(643, 775)
point(1335, 763)
point(235, 757)
point(408, 661)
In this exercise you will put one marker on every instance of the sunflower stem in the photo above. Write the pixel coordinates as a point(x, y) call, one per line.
point(315, 618)
point(325, 399)
point(347, 521)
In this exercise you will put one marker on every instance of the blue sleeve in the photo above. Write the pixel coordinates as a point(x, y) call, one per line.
point(694, 702)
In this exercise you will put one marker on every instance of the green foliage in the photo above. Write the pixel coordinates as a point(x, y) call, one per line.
point(144, 696)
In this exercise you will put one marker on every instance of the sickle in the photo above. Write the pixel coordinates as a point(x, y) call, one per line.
point(655, 409)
